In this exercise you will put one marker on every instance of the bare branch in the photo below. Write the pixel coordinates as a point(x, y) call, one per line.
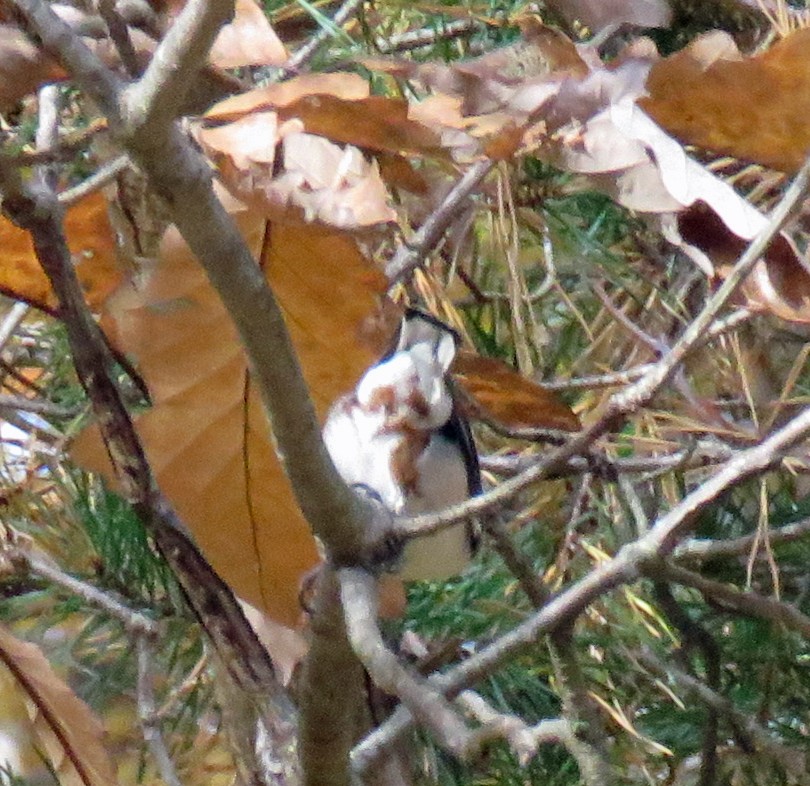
point(19, 404)
point(119, 33)
point(148, 715)
point(524, 740)
point(153, 101)
point(333, 695)
point(708, 549)
point(179, 174)
point(751, 603)
point(310, 49)
point(60, 40)
point(135, 622)
point(415, 39)
point(762, 739)
point(358, 594)
point(413, 253)
point(103, 175)
point(11, 322)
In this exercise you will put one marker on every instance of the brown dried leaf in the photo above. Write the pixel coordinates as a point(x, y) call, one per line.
point(754, 108)
point(597, 128)
point(339, 107)
point(509, 397)
point(780, 281)
point(349, 87)
point(248, 40)
point(485, 104)
point(334, 185)
point(207, 436)
point(70, 734)
point(92, 244)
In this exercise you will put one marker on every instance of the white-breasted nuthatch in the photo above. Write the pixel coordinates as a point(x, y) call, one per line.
point(401, 436)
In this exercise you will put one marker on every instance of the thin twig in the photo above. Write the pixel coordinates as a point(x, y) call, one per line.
point(746, 602)
point(148, 715)
point(310, 49)
point(744, 722)
point(103, 175)
point(615, 378)
point(135, 622)
point(11, 322)
point(119, 33)
point(415, 251)
point(37, 407)
point(416, 39)
point(524, 740)
point(153, 101)
point(705, 549)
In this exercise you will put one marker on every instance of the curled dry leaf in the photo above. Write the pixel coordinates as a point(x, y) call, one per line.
point(248, 40)
point(683, 178)
point(69, 734)
point(754, 108)
point(510, 398)
point(333, 185)
point(92, 244)
point(317, 179)
point(780, 281)
point(207, 436)
point(485, 104)
point(339, 107)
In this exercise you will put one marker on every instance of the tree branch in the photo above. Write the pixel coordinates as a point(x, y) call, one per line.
point(179, 174)
point(152, 102)
point(625, 567)
point(762, 739)
point(411, 254)
point(358, 595)
point(234, 640)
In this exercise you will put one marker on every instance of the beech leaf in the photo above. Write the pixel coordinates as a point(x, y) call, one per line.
point(206, 435)
point(70, 734)
point(754, 108)
point(92, 244)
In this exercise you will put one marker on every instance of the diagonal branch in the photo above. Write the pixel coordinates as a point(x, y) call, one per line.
point(625, 567)
point(179, 174)
point(152, 102)
point(358, 594)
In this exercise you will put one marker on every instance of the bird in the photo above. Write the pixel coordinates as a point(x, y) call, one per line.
point(401, 436)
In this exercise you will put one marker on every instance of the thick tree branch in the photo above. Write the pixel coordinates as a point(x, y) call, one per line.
point(153, 101)
point(332, 695)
